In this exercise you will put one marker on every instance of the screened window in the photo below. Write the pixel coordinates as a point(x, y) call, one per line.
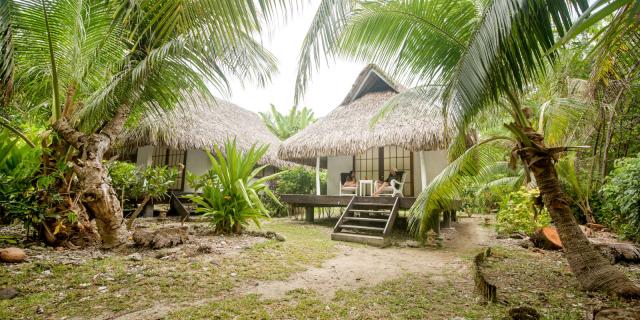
point(375, 163)
point(171, 158)
point(367, 165)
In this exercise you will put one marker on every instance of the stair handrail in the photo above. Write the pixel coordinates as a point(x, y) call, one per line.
point(392, 217)
point(335, 229)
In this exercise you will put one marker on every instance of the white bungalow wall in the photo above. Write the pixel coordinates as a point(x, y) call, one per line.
point(335, 166)
point(197, 163)
point(144, 156)
point(435, 162)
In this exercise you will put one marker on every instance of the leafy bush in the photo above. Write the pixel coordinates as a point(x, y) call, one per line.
point(133, 183)
point(19, 165)
point(150, 183)
point(620, 208)
point(517, 213)
point(125, 178)
point(156, 182)
point(234, 198)
point(300, 180)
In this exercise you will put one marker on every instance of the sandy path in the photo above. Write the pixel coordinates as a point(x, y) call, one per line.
point(358, 266)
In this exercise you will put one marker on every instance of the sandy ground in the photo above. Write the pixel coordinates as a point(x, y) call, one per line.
point(358, 266)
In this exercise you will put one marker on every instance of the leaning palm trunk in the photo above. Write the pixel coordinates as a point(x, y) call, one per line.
point(593, 271)
point(96, 193)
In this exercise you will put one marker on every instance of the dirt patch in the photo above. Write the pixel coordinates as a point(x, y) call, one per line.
point(358, 266)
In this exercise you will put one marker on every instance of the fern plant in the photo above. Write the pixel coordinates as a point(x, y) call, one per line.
point(234, 199)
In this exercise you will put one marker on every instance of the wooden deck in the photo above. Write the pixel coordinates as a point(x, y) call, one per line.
point(310, 200)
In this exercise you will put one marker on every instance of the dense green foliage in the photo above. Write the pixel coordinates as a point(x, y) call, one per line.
point(300, 180)
point(234, 199)
point(286, 125)
point(620, 207)
point(19, 186)
point(519, 214)
point(134, 183)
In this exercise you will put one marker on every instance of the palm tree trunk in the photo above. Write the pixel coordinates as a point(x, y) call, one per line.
point(98, 196)
point(96, 193)
point(593, 271)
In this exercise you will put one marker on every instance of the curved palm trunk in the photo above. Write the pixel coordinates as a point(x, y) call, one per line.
point(591, 269)
point(96, 193)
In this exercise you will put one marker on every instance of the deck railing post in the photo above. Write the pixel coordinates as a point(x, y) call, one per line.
point(423, 170)
point(318, 191)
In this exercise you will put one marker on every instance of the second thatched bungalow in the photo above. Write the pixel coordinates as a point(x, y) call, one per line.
point(184, 135)
point(409, 138)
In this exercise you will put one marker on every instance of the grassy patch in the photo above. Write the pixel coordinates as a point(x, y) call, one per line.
point(114, 285)
point(523, 279)
point(410, 297)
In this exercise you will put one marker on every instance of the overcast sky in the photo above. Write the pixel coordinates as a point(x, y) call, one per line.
point(327, 88)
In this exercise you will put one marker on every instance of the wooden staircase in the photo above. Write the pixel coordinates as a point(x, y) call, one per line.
point(367, 220)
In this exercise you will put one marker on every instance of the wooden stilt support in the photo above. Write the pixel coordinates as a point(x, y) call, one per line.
point(436, 229)
point(454, 216)
point(446, 219)
point(309, 214)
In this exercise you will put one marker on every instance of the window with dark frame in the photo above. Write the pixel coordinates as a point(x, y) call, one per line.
point(171, 158)
point(375, 163)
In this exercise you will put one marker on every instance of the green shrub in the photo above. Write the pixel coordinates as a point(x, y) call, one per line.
point(132, 182)
point(517, 213)
point(234, 198)
point(620, 207)
point(19, 190)
point(125, 178)
point(299, 180)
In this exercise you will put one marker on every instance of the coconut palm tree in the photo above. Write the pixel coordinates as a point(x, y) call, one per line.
point(97, 65)
point(286, 125)
point(485, 55)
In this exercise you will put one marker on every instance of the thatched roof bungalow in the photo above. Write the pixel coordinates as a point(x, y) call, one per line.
point(410, 138)
point(183, 134)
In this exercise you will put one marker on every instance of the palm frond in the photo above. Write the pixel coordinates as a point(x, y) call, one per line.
point(320, 42)
point(450, 183)
point(506, 52)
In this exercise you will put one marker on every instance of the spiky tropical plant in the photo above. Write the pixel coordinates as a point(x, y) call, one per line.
point(284, 126)
point(233, 200)
point(96, 65)
point(485, 55)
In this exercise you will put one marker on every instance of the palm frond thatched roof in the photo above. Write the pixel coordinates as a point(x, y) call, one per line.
point(201, 123)
point(348, 129)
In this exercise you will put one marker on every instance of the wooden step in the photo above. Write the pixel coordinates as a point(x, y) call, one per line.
point(377, 241)
point(350, 226)
point(364, 204)
point(366, 219)
point(370, 211)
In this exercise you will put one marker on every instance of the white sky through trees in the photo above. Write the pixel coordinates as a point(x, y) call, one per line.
point(327, 87)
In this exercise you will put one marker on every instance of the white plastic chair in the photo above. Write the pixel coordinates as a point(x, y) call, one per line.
point(347, 191)
point(395, 187)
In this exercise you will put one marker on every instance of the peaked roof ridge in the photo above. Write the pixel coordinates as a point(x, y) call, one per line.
point(358, 84)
